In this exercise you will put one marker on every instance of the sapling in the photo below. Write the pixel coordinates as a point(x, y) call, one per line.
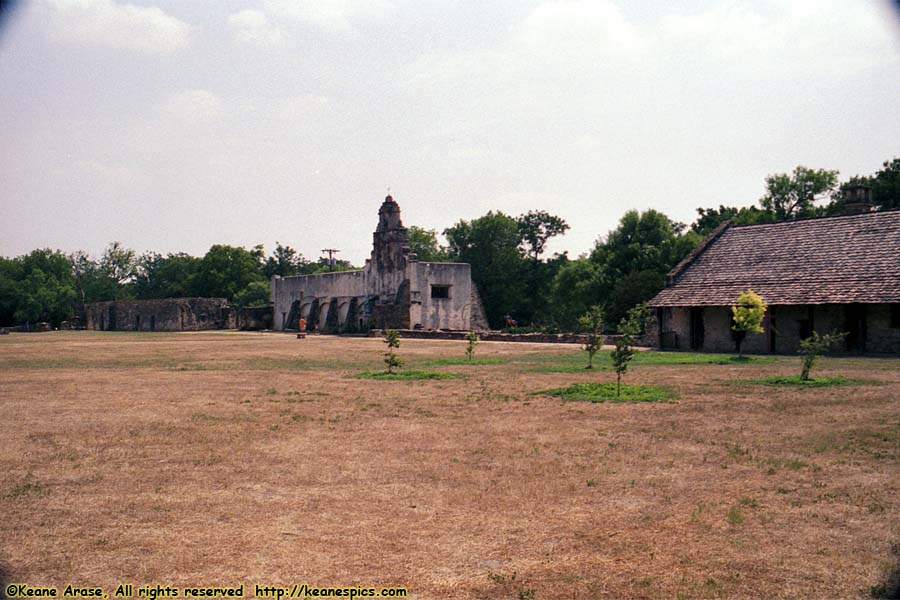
point(472, 338)
point(392, 339)
point(747, 317)
point(815, 346)
point(631, 325)
point(592, 323)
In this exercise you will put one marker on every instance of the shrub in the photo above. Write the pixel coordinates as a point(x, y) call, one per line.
point(747, 316)
point(392, 339)
point(472, 338)
point(592, 323)
point(815, 346)
point(631, 325)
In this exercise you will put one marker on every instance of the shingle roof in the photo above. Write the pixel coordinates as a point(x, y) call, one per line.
point(830, 260)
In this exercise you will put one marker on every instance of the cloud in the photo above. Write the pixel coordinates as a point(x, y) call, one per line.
point(301, 107)
point(195, 106)
point(253, 27)
point(123, 26)
point(332, 15)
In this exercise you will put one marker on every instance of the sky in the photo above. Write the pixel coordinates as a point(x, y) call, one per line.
point(172, 125)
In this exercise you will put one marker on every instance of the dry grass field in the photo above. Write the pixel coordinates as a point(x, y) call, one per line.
point(226, 458)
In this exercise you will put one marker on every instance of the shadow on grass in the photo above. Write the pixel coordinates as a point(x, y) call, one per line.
point(889, 588)
point(575, 362)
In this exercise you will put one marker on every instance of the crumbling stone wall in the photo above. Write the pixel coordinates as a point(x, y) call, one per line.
point(170, 314)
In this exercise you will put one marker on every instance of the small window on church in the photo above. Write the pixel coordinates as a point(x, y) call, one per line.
point(440, 291)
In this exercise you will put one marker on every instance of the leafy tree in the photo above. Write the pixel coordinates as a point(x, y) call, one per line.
point(118, 263)
point(10, 274)
point(790, 196)
point(257, 293)
point(575, 287)
point(747, 317)
point(631, 325)
point(710, 218)
point(886, 185)
point(226, 270)
point(815, 346)
point(536, 227)
point(170, 276)
point(626, 268)
point(592, 323)
point(472, 339)
point(285, 262)
point(424, 243)
point(392, 339)
point(46, 288)
point(491, 245)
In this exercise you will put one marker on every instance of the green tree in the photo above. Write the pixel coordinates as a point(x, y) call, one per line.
point(815, 346)
point(472, 339)
point(632, 324)
point(710, 218)
point(625, 268)
point(226, 270)
point(791, 196)
point(46, 288)
point(285, 262)
point(424, 243)
point(591, 322)
point(392, 339)
point(257, 293)
point(490, 244)
point(747, 317)
point(10, 275)
point(575, 287)
point(536, 227)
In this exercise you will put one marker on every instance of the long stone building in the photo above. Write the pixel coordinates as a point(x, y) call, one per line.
point(824, 274)
point(393, 290)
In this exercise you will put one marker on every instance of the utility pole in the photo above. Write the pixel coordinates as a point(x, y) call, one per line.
point(331, 252)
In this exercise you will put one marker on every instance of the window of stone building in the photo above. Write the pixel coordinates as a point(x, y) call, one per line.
point(137, 322)
point(440, 291)
point(895, 316)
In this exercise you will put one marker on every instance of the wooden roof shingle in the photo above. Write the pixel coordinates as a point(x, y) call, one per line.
point(829, 260)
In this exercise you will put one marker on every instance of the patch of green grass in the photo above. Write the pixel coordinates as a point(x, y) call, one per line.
point(405, 375)
point(734, 516)
point(577, 361)
point(606, 392)
point(461, 360)
point(27, 488)
point(811, 382)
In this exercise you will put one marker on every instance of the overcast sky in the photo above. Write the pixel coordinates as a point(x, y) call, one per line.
point(171, 125)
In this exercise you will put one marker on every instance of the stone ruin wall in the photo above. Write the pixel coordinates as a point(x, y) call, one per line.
point(171, 314)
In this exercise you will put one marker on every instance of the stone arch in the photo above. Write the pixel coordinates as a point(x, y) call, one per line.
point(293, 316)
point(322, 318)
point(331, 316)
point(312, 319)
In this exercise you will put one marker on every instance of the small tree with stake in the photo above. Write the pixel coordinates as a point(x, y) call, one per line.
point(815, 346)
point(392, 339)
point(592, 323)
point(747, 317)
point(472, 338)
point(632, 325)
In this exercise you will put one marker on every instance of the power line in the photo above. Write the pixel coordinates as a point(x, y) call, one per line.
point(331, 252)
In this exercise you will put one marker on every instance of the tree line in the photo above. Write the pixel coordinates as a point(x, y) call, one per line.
point(515, 277)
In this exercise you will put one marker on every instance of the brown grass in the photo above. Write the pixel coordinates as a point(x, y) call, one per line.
point(226, 458)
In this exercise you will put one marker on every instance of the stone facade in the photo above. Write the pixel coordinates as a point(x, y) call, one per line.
point(394, 290)
point(871, 328)
point(170, 314)
point(826, 274)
